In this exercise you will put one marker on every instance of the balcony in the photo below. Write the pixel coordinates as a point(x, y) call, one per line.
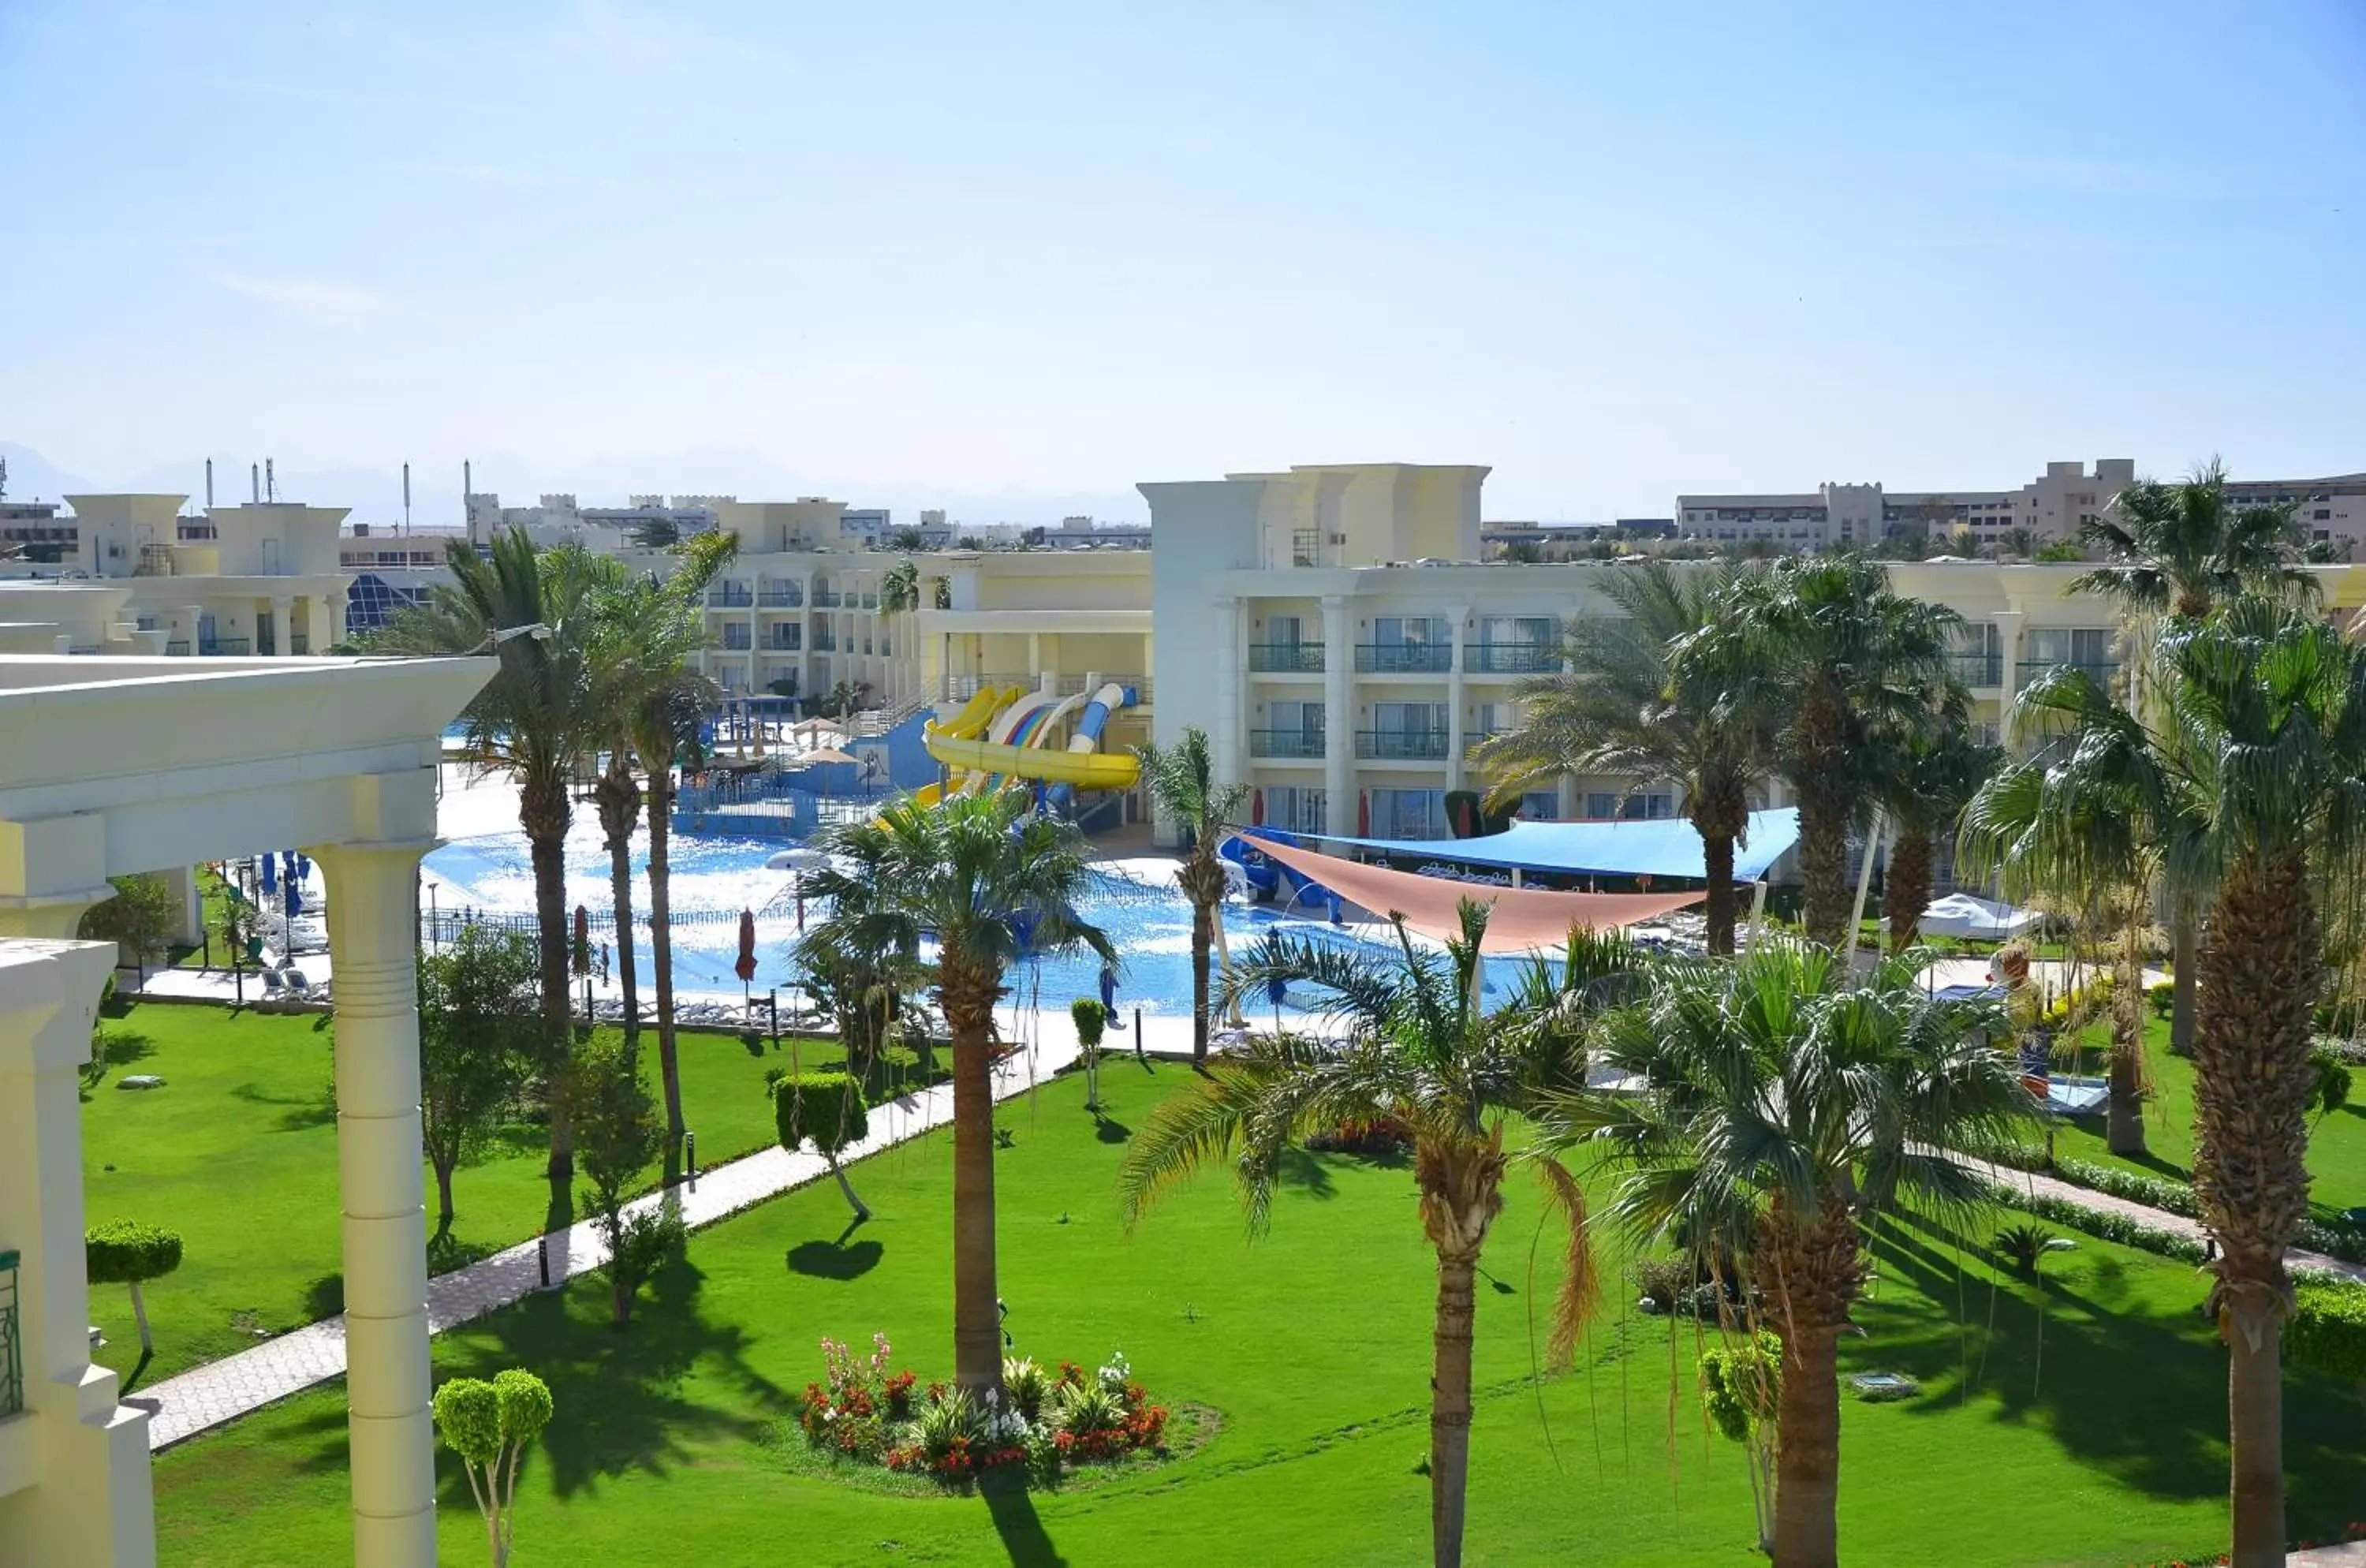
point(1286, 744)
point(1405, 657)
point(782, 596)
point(1402, 745)
point(177, 648)
point(736, 644)
point(223, 648)
point(1514, 658)
point(2100, 670)
point(1979, 668)
point(871, 601)
point(827, 598)
point(1286, 658)
point(824, 643)
point(783, 645)
point(729, 596)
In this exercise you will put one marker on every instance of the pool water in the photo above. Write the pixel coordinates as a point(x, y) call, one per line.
point(1150, 926)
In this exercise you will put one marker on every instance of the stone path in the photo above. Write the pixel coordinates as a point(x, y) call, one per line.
point(2158, 1219)
point(181, 1407)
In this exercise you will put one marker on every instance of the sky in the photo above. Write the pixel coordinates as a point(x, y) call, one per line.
point(1017, 258)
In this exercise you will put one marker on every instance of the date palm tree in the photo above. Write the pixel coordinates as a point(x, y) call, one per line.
point(1828, 642)
point(1626, 709)
point(2181, 550)
point(2270, 704)
point(1779, 1105)
point(899, 594)
point(534, 720)
point(1424, 1053)
point(1934, 773)
point(992, 881)
point(2089, 816)
point(1188, 800)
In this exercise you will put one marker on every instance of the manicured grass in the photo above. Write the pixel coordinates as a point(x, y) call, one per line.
point(2336, 1143)
point(2081, 1424)
point(238, 1152)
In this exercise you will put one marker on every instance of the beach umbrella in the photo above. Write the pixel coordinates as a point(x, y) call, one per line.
point(1256, 808)
point(294, 898)
point(1277, 991)
point(746, 967)
point(1109, 990)
point(288, 866)
point(819, 754)
point(583, 940)
point(271, 874)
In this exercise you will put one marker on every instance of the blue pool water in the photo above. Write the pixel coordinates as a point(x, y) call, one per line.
point(1150, 926)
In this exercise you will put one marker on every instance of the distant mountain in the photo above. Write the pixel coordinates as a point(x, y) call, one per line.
point(375, 495)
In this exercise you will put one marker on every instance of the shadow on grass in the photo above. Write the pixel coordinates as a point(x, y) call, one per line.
point(1309, 1175)
point(1110, 1130)
point(2120, 1377)
point(324, 1297)
point(627, 1398)
point(1015, 1522)
point(835, 1260)
point(303, 1110)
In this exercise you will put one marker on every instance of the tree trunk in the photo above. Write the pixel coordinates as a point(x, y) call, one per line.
point(620, 809)
point(861, 1211)
point(1201, 940)
point(661, 955)
point(2124, 1105)
point(966, 991)
point(1823, 873)
point(2184, 939)
point(1906, 891)
point(443, 1195)
point(543, 813)
point(1717, 863)
point(1808, 1450)
point(1450, 1405)
point(2259, 975)
point(140, 1315)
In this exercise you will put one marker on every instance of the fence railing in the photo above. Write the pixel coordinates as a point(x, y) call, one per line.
point(827, 598)
point(729, 598)
point(177, 648)
point(12, 1338)
point(1285, 743)
point(1402, 745)
point(1286, 658)
point(223, 648)
point(1979, 668)
point(1513, 657)
point(299, 643)
point(1405, 657)
point(782, 596)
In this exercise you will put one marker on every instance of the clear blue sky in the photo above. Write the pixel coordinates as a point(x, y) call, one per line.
point(1612, 251)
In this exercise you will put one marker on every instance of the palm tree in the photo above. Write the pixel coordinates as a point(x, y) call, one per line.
point(864, 954)
point(1189, 799)
point(1424, 1053)
point(993, 881)
point(1626, 709)
point(899, 594)
point(1933, 774)
point(533, 720)
point(663, 717)
point(2181, 550)
point(1777, 1110)
point(2089, 817)
point(2270, 704)
point(1828, 642)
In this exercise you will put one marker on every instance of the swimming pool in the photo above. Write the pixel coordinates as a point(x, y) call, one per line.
point(1150, 926)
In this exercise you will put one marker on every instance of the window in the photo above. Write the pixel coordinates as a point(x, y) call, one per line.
point(1417, 631)
point(1603, 806)
point(1301, 718)
point(1408, 718)
point(1408, 813)
point(1295, 809)
point(1305, 545)
point(1541, 804)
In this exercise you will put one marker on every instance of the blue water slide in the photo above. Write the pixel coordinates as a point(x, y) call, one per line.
point(1061, 799)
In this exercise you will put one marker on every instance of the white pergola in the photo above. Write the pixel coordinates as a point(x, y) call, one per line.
point(109, 766)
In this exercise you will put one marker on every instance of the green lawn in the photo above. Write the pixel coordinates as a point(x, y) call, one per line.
point(238, 1152)
point(2336, 1143)
point(2086, 1431)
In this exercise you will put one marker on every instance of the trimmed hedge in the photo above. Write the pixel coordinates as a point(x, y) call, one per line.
point(2095, 1222)
point(2327, 1336)
point(125, 1252)
point(826, 1107)
point(2171, 1197)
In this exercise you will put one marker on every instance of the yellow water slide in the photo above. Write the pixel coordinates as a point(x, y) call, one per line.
point(1029, 758)
point(969, 724)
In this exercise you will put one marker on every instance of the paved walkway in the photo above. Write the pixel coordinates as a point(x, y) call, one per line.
point(181, 1407)
point(2158, 1219)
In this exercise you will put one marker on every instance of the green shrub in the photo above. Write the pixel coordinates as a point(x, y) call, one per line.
point(2327, 1336)
point(1666, 1281)
point(1026, 1383)
point(124, 1252)
point(489, 1425)
point(2095, 1222)
point(2330, 1093)
point(2023, 1245)
point(1090, 1406)
point(825, 1107)
point(948, 1423)
point(2163, 998)
point(1091, 1019)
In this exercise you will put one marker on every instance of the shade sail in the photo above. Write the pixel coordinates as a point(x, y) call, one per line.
point(1960, 914)
point(1524, 920)
point(1662, 847)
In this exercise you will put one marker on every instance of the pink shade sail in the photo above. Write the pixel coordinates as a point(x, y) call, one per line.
point(1525, 920)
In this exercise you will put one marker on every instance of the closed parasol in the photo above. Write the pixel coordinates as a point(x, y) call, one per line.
point(746, 967)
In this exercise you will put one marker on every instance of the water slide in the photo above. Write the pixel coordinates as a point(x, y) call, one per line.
point(1014, 746)
point(973, 719)
point(1062, 797)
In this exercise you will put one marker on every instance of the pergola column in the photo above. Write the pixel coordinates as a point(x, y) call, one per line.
point(373, 934)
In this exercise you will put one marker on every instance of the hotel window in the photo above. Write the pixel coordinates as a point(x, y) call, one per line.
point(1606, 806)
point(1305, 546)
point(1408, 813)
point(1295, 809)
point(1541, 804)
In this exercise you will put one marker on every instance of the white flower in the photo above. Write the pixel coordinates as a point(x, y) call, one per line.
point(1114, 1375)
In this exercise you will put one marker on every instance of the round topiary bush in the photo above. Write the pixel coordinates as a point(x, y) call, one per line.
point(829, 1109)
point(125, 1252)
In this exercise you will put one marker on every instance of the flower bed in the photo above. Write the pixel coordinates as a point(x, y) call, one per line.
point(1045, 1424)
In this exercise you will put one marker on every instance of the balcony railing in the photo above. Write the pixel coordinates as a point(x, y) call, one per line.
point(1979, 669)
point(1286, 658)
point(782, 596)
point(1402, 745)
point(736, 644)
point(177, 648)
point(299, 643)
point(827, 598)
point(1285, 743)
point(1405, 657)
point(825, 644)
point(730, 597)
point(2098, 669)
point(223, 648)
point(1514, 658)
point(783, 645)
point(871, 601)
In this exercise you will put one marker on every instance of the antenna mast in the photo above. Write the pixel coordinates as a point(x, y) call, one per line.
point(209, 484)
point(270, 482)
point(406, 501)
